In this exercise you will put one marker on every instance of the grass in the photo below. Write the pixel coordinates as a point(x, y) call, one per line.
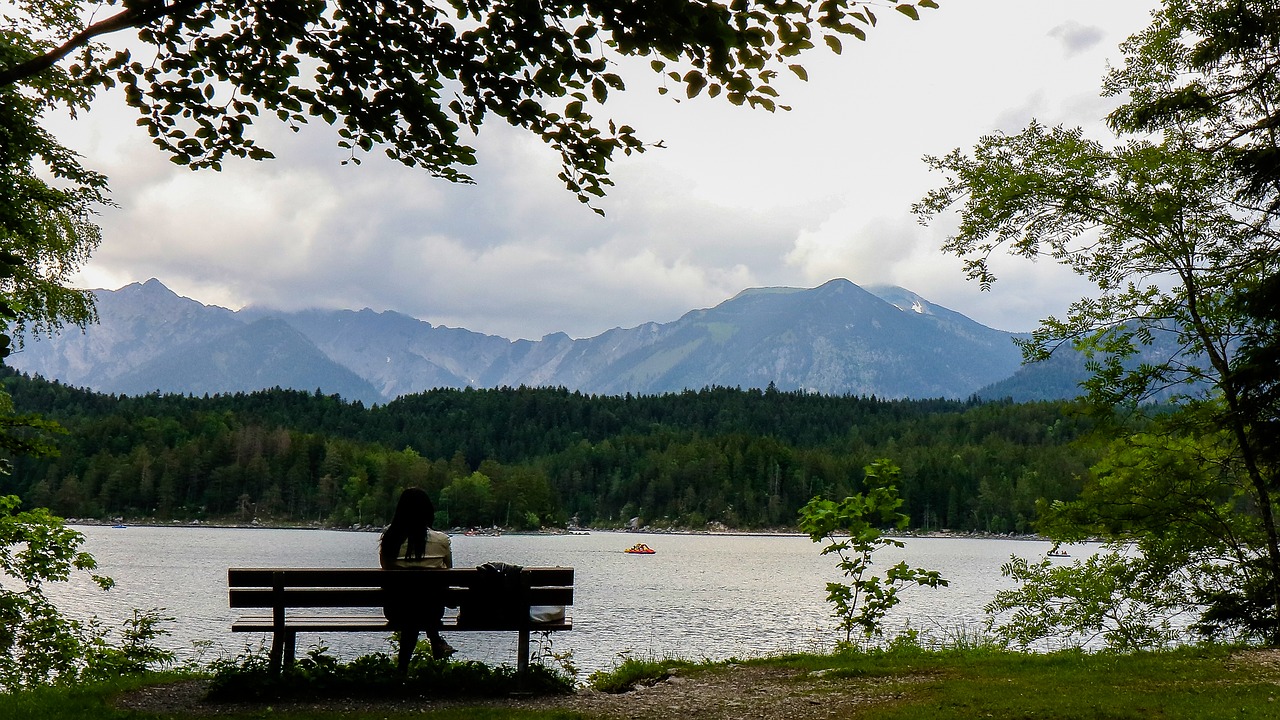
point(1184, 684)
point(83, 701)
point(1187, 684)
point(634, 672)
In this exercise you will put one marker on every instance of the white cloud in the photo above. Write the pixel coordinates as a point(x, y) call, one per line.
point(1077, 38)
point(845, 245)
point(738, 198)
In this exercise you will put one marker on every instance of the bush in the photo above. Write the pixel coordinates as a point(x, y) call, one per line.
point(249, 677)
point(38, 644)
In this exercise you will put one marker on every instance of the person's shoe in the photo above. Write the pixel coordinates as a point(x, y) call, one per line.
point(441, 649)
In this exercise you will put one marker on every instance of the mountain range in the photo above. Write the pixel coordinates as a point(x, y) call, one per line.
point(837, 338)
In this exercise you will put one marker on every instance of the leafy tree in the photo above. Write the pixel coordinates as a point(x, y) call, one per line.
point(1166, 223)
point(1209, 68)
point(468, 501)
point(1113, 597)
point(1183, 544)
point(414, 76)
point(38, 645)
point(685, 458)
point(1257, 367)
point(47, 199)
point(23, 434)
point(852, 532)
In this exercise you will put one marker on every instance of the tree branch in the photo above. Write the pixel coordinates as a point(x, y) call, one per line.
point(135, 15)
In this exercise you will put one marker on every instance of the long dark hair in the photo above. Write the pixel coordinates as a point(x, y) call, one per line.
point(413, 517)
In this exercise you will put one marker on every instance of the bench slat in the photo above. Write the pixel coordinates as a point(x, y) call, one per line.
point(314, 623)
point(376, 598)
point(367, 623)
point(375, 577)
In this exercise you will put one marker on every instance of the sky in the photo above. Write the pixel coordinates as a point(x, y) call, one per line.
point(735, 198)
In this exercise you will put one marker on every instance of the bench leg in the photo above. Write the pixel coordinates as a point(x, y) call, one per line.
point(522, 653)
point(277, 650)
point(283, 649)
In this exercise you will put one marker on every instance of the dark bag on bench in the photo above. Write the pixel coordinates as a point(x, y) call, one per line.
point(497, 598)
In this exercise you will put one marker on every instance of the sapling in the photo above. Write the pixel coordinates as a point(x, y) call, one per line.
point(851, 529)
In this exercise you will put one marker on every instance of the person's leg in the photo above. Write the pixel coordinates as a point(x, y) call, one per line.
point(439, 648)
point(408, 641)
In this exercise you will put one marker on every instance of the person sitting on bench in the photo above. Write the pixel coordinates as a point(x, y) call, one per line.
point(409, 542)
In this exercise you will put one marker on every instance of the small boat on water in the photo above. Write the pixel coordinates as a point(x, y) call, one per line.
point(1057, 551)
point(639, 549)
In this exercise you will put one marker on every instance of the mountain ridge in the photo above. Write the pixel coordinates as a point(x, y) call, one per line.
point(836, 338)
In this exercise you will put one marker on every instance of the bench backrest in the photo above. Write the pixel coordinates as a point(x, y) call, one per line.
point(280, 588)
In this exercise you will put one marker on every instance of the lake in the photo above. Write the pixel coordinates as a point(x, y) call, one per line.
point(699, 596)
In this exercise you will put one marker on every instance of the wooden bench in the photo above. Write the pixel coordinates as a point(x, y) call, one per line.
point(486, 601)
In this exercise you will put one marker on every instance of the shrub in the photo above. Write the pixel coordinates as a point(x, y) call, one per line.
point(318, 674)
point(38, 644)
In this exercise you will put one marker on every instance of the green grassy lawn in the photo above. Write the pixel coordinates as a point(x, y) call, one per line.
point(1188, 684)
point(1185, 684)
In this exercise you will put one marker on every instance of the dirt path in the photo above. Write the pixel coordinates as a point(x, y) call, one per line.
point(728, 693)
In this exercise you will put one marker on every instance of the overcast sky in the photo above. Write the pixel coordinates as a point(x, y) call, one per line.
point(737, 199)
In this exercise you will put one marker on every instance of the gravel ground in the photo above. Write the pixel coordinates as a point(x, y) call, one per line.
point(729, 693)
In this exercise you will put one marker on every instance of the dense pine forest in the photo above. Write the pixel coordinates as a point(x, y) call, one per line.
point(524, 457)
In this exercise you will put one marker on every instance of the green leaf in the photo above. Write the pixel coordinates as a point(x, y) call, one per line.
point(908, 10)
point(833, 42)
point(799, 71)
point(694, 82)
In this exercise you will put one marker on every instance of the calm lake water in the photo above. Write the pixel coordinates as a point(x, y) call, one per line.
point(700, 596)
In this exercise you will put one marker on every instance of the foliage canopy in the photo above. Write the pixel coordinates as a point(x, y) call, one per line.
point(412, 76)
point(1176, 225)
point(47, 201)
point(742, 458)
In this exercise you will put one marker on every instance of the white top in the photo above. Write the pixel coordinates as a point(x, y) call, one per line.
point(438, 553)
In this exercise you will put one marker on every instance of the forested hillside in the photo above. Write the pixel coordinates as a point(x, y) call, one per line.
point(529, 457)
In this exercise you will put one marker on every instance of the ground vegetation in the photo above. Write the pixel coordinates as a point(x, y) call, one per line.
point(903, 683)
point(39, 643)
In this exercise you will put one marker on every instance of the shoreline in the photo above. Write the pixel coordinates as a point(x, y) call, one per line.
point(727, 532)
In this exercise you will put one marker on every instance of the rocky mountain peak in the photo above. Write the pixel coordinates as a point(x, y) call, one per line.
point(836, 338)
